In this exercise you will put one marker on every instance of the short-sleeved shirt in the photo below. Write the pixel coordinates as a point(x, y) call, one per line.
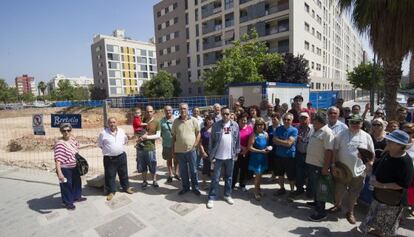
point(245, 134)
point(152, 128)
point(394, 170)
point(185, 134)
point(347, 145)
point(319, 142)
point(284, 133)
point(338, 127)
point(166, 132)
point(112, 144)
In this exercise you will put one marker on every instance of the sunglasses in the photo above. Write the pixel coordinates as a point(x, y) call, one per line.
point(354, 122)
point(66, 130)
point(227, 114)
point(287, 119)
point(377, 125)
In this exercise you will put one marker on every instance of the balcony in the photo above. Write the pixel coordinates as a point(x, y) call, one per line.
point(212, 45)
point(271, 9)
point(243, 1)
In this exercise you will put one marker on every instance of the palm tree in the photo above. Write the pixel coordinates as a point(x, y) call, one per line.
point(42, 87)
point(390, 29)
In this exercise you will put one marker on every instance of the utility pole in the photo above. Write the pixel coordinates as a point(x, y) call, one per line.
point(372, 90)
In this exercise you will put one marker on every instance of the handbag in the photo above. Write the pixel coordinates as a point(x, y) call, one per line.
point(81, 164)
point(325, 190)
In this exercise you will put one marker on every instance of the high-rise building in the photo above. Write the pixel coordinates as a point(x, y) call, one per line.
point(191, 36)
point(121, 65)
point(81, 81)
point(25, 84)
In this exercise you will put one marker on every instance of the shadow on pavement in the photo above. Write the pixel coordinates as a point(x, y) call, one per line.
point(46, 204)
point(323, 231)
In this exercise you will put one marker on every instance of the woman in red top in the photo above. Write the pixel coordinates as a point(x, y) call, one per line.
point(69, 178)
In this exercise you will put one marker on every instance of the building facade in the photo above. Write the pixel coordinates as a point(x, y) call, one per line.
point(121, 65)
point(81, 81)
point(191, 36)
point(26, 84)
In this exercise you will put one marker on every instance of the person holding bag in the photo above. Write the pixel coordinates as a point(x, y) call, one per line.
point(392, 174)
point(65, 151)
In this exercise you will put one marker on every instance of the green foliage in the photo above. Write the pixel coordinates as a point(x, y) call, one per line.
point(240, 64)
point(361, 76)
point(42, 87)
point(66, 91)
point(97, 93)
point(295, 69)
point(7, 94)
point(163, 85)
point(27, 97)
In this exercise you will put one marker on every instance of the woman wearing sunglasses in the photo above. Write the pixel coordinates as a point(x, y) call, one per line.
point(69, 178)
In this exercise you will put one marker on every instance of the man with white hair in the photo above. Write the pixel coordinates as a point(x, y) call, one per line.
point(333, 121)
point(217, 112)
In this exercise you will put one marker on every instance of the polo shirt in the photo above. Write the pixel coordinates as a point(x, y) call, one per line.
point(185, 134)
point(112, 144)
point(319, 142)
point(284, 134)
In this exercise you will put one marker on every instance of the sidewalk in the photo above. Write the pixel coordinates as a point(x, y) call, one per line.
point(31, 206)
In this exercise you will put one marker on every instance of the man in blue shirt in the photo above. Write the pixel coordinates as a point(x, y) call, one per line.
point(285, 140)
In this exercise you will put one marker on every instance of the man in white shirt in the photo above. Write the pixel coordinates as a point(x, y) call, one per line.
point(112, 140)
point(346, 152)
point(224, 146)
point(333, 121)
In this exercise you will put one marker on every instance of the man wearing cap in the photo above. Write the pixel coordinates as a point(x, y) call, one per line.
point(318, 160)
point(297, 109)
point(346, 147)
point(333, 121)
point(112, 141)
point(305, 131)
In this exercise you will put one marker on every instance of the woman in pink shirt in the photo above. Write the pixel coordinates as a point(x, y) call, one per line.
point(242, 163)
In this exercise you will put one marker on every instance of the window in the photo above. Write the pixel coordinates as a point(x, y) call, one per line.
point(306, 7)
point(228, 4)
point(196, 14)
point(197, 30)
point(97, 49)
point(306, 45)
point(142, 60)
point(306, 26)
point(143, 52)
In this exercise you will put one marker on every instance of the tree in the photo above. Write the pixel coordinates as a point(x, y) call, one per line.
point(97, 93)
point(7, 94)
point(162, 85)
point(361, 76)
point(295, 69)
point(42, 87)
point(239, 64)
point(27, 97)
point(271, 67)
point(390, 29)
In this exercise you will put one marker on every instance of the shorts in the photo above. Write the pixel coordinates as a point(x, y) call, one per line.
point(146, 160)
point(284, 165)
point(167, 153)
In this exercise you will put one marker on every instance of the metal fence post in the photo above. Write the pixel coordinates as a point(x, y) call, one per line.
point(105, 113)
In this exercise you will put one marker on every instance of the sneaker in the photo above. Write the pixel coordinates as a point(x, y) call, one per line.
point(70, 207)
point(177, 177)
point(183, 191)
point(280, 192)
point(311, 204)
point(110, 196)
point(155, 184)
point(144, 184)
point(210, 204)
point(129, 190)
point(197, 192)
point(82, 199)
point(229, 200)
point(317, 217)
point(350, 218)
point(169, 179)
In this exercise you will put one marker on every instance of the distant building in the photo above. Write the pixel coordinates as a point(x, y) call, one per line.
point(74, 81)
point(25, 84)
point(121, 65)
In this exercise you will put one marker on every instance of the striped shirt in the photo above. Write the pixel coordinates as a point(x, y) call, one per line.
point(64, 152)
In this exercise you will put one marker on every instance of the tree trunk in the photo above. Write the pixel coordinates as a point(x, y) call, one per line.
point(392, 73)
point(411, 72)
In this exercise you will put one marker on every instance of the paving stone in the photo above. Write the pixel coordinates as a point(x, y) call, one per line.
point(122, 226)
point(183, 209)
point(118, 202)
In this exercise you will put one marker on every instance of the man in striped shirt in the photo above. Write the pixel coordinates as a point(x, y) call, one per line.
point(112, 140)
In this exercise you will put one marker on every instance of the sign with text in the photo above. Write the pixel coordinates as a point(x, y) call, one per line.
point(74, 119)
point(37, 124)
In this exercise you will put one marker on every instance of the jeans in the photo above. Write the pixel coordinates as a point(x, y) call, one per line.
point(113, 165)
point(199, 162)
point(301, 172)
point(314, 173)
point(241, 165)
point(228, 175)
point(187, 162)
point(72, 189)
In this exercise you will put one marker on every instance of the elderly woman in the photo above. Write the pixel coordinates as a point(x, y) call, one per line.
point(378, 135)
point(392, 174)
point(69, 178)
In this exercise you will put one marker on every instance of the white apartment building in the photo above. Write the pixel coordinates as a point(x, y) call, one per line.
point(121, 65)
point(313, 28)
point(81, 81)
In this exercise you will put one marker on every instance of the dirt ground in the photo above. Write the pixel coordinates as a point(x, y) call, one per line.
point(19, 147)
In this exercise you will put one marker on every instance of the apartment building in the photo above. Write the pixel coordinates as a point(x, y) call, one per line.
point(121, 65)
point(25, 84)
point(191, 36)
point(81, 81)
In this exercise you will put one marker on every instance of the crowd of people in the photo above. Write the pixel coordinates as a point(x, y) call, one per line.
point(297, 146)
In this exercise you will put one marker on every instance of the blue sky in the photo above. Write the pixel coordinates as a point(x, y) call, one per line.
point(43, 38)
